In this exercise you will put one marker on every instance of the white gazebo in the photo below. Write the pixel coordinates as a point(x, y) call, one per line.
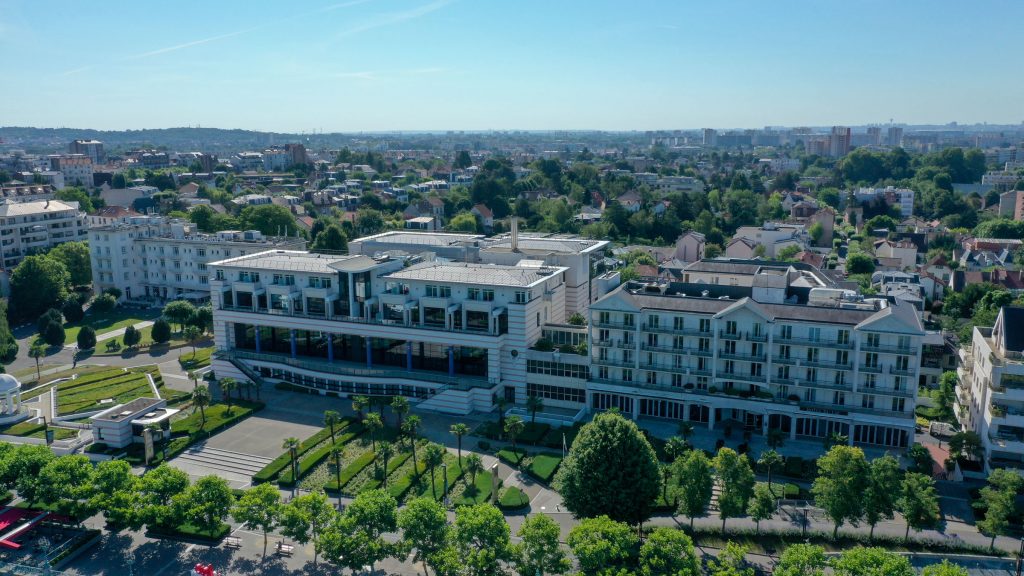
point(10, 399)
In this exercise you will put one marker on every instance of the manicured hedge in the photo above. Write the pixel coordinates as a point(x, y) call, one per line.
point(544, 466)
point(312, 459)
point(533, 433)
point(400, 487)
point(350, 471)
point(512, 498)
point(275, 467)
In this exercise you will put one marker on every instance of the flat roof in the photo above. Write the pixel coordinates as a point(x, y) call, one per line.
point(128, 411)
point(290, 261)
point(420, 238)
point(476, 274)
point(8, 209)
point(547, 243)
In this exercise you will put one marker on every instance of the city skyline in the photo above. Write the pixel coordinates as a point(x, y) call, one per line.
point(385, 65)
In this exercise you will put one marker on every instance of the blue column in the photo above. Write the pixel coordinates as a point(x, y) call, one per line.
point(408, 356)
point(295, 344)
point(330, 347)
point(451, 361)
point(257, 332)
point(369, 354)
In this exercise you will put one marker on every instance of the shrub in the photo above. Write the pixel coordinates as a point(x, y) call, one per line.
point(51, 315)
point(161, 332)
point(132, 336)
point(544, 345)
point(86, 338)
point(54, 335)
point(483, 445)
point(72, 310)
point(104, 303)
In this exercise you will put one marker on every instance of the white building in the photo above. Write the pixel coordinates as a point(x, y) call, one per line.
point(276, 160)
point(679, 184)
point(248, 161)
point(451, 334)
point(154, 259)
point(29, 227)
point(76, 168)
point(902, 198)
point(990, 397)
point(774, 236)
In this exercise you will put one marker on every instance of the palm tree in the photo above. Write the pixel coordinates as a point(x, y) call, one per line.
point(336, 453)
point(501, 403)
point(775, 438)
point(410, 428)
point(37, 351)
point(192, 334)
point(474, 465)
point(400, 405)
point(514, 426)
point(292, 446)
point(373, 424)
point(226, 386)
point(686, 430)
point(534, 404)
point(769, 460)
point(385, 452)
point(201, 399)
point(459, 430)
point(331, 419)
point(194, 377)
point(433, 456)
point(360, 403)
point(675, 447)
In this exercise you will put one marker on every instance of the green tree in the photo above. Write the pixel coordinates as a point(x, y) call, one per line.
point(762, 506)
point(482, 539)
point(227, 386)
point(602, 543)
point(801, 560)
point(539, 552)
point(374, 424)
point(534, 404)
point(8, 344)
point(464, 221)
point(696, 484)
point(433, 456)
point(400, 406)
point(72, 310)
point(966, 444)
point(360, 403)
point(610, 470)
point(103, 304)
point(357, 538)
point(206, 503)
point(736, 482)
point(731, 561)
point(191, 335)
point(55, 334)
point(667, 552)
point(862, 561)
point(292, 445)
point(332, 239)
point(202, 215)
point(161, 331)
point(946, 568)
point(840, 485)
point(474, 466)
point(459, 430)
point(860, 263)
point(158, 489)
point(882, 494)
point(305, 518)
point(86, 338)
point(332, 418)
point(769, 460)
point(514, 426)
point(46, 318)
point(116, 493)
point(76, 194)
point(36, 352)
point(66, 483)
point(920, 458)
point(425, 529)
point(270, 219)
point(178, 312)
point(201, 399)
point(410, 427)
point(259, 508)
point(22, 470)
point(75, 258)
point(919, 502)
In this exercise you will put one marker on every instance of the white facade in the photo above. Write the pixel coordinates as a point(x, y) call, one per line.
point(156, 259)
point(990, 396)
point(29, 227)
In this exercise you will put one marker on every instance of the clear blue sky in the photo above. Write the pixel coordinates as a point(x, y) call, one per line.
point(503, 64)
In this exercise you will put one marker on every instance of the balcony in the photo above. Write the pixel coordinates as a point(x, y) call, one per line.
point(898, 372)
point(359, 320)
point(846, 408)
point(870, 369)
point(903, 350)
point(899, 392)
point(729, 336)
point(819, 363)
point(745, 378)
point(659, 328)
point(784, 360)
point(615, 362)
point(816, 342)
point(624, 345)
point(615, 325)
point(825, 385)
point(744, 357)
point(662, 348)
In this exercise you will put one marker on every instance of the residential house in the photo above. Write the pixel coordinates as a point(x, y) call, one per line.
point(690, 247)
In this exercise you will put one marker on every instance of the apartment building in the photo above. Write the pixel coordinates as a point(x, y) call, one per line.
point(77, 169)
point(450, 334)
point(153, 259)
point(91, 148)
point(30, 227)
point(810, 367)
point(990, 395)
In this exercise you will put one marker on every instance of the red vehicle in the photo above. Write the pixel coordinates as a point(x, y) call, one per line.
point(204, 570)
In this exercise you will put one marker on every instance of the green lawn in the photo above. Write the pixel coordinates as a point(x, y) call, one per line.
point(512, 498)
point(144, 345)
point(86, 393)
point(540, 466)
point(29, 430)
point(117, 318)
point(217, 417)
point(200, 359)
point(476, 493)
point(80, 371)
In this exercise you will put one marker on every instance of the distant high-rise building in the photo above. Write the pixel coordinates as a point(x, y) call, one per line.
point(710, 137)
point(875, 135)
point(91, 148)
point(895, 136)
point(839, 141)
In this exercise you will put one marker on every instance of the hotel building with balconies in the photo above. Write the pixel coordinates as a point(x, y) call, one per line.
point(31, 227)
point(990, 395)
point(451, 335)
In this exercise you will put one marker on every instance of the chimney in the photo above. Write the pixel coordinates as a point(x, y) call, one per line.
point(515, 234)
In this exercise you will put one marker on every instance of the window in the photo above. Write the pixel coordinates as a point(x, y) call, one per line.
point(730, 367)
point(652, 377)
point(786, 331)
point(870, 381)
point(898, 405)
point(758, 329)
point(219, 275)
point(842, 357)
point(652, 340)
point(284, 280)
point(783, 372)
point(730, 327)
point(678, 323)
point(243, 276)
point(839, 398)
point(873, 339)
point(730, 347)
point(653, 320)
point(603, 318)
point(814, 334)
point(319, 282)
point(755, 369)
point(678, 342)
point(177, 277)
point(201, 252)
point(902, 363)
point(628, 320)
point(871, 360)
point(840, 379)
point(677, 380)
point(903, 342)
point(627, 375)
point(844, 337)
point(438, 291)
point(900, 383)
point(867, 401)
point(704, 344)
point(812, 354)
point(784, 351)
point(204, 280)
point(482, 294)
point(705, 325)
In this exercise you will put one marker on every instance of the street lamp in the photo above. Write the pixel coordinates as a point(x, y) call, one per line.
point(444, 469)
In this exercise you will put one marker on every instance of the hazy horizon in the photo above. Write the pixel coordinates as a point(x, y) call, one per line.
point(378, 66)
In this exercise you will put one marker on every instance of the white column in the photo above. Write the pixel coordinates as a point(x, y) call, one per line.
point(711, 417)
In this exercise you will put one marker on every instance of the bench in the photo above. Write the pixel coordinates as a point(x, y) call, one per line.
point(232, 542)
point(285, 549)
